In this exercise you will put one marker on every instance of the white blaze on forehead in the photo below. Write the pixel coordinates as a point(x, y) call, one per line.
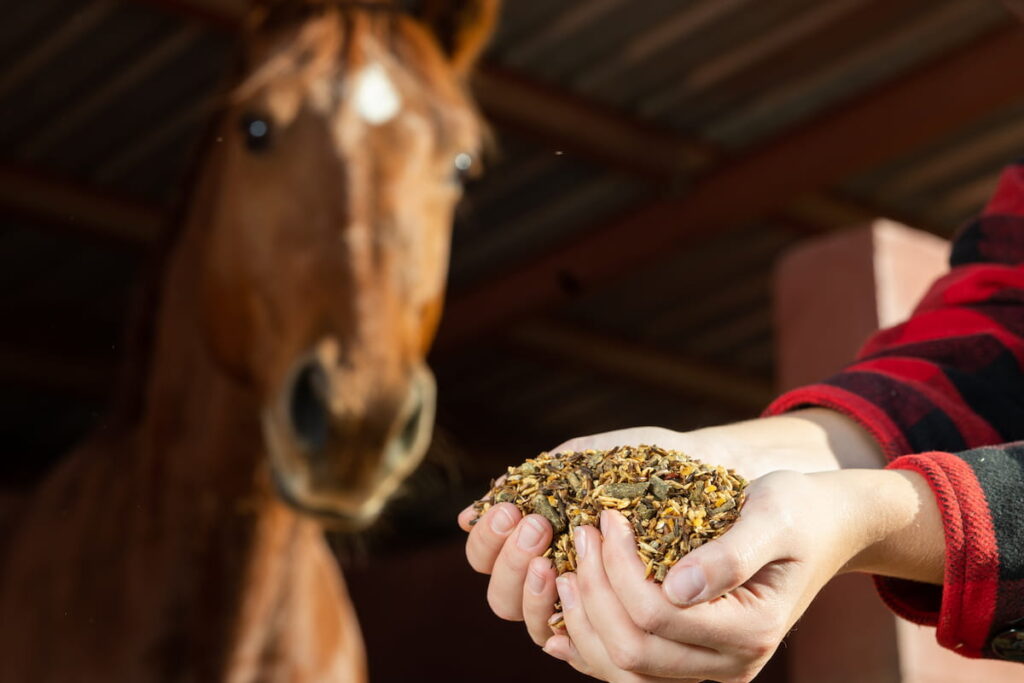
point(375, 96)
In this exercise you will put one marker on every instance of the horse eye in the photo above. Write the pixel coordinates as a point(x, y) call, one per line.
point(463, 167)
point(257, 130)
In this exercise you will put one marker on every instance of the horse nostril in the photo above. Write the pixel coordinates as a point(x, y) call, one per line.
point(411, 429)
point(307, 407)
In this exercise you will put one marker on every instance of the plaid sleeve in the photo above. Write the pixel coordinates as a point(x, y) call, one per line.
point(979, 609)
point(950, 380)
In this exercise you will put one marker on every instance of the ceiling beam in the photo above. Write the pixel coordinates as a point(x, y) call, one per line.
point(74, 206)
point(890, 120)
point(688, 377)
point(582, 127)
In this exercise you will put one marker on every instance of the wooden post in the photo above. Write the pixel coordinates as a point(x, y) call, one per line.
point(831, 293)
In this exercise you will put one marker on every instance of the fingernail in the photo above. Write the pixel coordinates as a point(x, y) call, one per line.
point(502, 522)
point(580, 539)
point(566, 593)
point(535, 582)
point(530, 533)
point(685, 584)
point(606, 521)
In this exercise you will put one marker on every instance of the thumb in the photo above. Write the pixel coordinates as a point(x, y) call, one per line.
point(724, 564)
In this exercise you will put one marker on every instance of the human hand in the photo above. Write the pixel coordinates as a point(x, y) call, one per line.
point(508, 547)
point(726, 606)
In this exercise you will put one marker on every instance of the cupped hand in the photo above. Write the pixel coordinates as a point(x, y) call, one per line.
point(509, 547)
point(722, 610)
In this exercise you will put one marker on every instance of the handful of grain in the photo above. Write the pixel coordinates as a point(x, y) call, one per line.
point(674, 503)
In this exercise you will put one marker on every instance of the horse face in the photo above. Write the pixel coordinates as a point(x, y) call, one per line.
point(325, 268)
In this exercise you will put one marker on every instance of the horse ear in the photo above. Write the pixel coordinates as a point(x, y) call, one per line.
point(462, 27)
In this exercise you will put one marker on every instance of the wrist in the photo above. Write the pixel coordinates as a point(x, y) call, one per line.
point(896, 525)
point(807, 440)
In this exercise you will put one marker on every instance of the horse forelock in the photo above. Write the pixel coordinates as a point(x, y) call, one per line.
point(323, 46)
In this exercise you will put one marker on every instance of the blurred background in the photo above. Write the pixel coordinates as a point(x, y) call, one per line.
point(612, 268)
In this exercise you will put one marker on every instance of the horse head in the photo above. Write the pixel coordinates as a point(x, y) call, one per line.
point(342, 156)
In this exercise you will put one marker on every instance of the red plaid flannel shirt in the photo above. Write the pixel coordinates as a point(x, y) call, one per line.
point(947, 388)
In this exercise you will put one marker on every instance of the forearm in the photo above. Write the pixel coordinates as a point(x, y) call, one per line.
point(808, 440)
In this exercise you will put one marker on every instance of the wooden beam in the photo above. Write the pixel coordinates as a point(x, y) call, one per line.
point(960, 159)
point(581, 127)
point(688, 377)
point(507, 235)
point(969, 197)
point(741, 293)
point(74, 206)
point(893, 119)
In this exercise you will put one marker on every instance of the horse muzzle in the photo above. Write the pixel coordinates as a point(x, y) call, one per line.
point(342, 465)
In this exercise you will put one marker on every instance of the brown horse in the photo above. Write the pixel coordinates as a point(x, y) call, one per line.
point(287, 363)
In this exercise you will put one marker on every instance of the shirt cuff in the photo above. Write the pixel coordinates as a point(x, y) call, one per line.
point(962, 609)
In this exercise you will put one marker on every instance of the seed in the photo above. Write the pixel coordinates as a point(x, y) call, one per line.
point(626, 490)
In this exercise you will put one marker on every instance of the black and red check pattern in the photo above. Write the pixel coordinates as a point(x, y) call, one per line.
point(947, 388)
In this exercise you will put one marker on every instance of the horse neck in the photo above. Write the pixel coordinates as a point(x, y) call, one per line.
point(199, 426)
point(201, 473)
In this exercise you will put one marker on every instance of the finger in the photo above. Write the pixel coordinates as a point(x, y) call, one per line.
point(629, 647)
point(710, 625)
point(643, 599)
point(539, 599)
point(466, 518)
point(720, 566)
point(561, 647)
point(488, 536)
point(505, 591)
point(583, 649)
point(587, 654)
point(468, 515)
